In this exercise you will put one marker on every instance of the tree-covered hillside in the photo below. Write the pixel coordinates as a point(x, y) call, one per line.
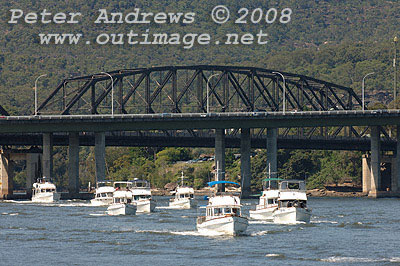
point(332, 40)
point(337, 41)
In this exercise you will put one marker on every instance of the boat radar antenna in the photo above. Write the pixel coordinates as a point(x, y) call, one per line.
point(269, 174)
point(218, 172)
point(182, 177)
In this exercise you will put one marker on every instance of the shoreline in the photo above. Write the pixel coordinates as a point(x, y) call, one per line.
point(310, 193)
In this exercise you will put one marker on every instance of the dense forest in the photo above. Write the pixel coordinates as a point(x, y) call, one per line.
point(337, 41)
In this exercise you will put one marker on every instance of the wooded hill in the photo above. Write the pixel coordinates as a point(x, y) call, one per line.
point(336, 41)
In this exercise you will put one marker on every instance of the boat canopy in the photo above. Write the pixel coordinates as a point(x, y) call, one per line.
point(221, 182)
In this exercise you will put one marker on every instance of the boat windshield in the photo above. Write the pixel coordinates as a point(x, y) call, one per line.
point(47, 190)
point(44, 180)
point(140, 184)
point(182, 196)
point(219, 211)
point(122, 185)
point(293, 203)
point(104, 195)
point(122, 200)
point(141, 197)
point(293, 185)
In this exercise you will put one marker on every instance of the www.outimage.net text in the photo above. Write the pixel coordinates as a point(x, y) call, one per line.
point(146, 36)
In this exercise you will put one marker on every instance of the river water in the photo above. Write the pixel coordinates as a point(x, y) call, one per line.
point(343, 231)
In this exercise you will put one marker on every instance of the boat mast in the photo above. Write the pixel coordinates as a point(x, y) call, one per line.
point(182, 177)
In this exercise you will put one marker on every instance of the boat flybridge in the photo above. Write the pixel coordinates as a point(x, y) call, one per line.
point(104, 194)
point(184, 197)
point(122, 203)
point(141, 193)
point(268, 201)
point(292, 203)
point(223, 214)
point(44, 191)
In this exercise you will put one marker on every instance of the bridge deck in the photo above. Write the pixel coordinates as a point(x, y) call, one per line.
point(180, 121)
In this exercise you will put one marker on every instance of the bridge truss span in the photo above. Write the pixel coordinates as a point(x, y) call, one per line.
point(202, 88)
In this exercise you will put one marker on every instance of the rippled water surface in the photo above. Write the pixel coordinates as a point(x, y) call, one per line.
point(343, 231)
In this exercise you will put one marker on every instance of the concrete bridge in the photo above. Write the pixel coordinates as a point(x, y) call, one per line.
point(46, 125)
point(239, 99)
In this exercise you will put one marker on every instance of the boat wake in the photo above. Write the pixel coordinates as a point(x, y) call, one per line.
point(166, 208)
point(260, 233)
point(10, 214)
point(180, 233)
point(98, 214)
point(323, 222)
point(275, 255)
point(75, 204)
point(336, 259)
point(260, 222)
point(16, 201)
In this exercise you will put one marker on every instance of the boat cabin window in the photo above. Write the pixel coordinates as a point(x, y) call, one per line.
point(217, 211)
point(300, 185)
point(293, 203)
point(227, 210)
point(141, 197)
point(109, 194)
point(182, 196)
point(234, 211)
point(271, 201)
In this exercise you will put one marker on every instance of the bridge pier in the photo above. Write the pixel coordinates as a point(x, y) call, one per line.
point(47, 169)
point(366, 173)
point(73, 164)
point(396, 176)
point(32, 171)
point(375, 161)
point(245, 162)
point(100, 155)
point(6, 176)
point(272, 151)
point(220, 157)
point(380, 174)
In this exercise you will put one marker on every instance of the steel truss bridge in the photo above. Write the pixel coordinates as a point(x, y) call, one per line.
point(184, 89)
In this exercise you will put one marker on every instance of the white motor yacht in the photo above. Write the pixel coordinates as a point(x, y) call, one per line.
point(183, 197)
point(223, 214)
point(44, 191)
point(292, 203)
point(142, 195)
point(122, 203)
point(268, 201)
point(104, 194)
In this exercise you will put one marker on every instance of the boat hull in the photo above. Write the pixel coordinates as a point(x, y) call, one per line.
point(144, 206)
point(292, 215)
point(101, 202)
point(262, 214)
point(182, 204)
point(121, 209)
point(228, 225)
point(47, 197)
